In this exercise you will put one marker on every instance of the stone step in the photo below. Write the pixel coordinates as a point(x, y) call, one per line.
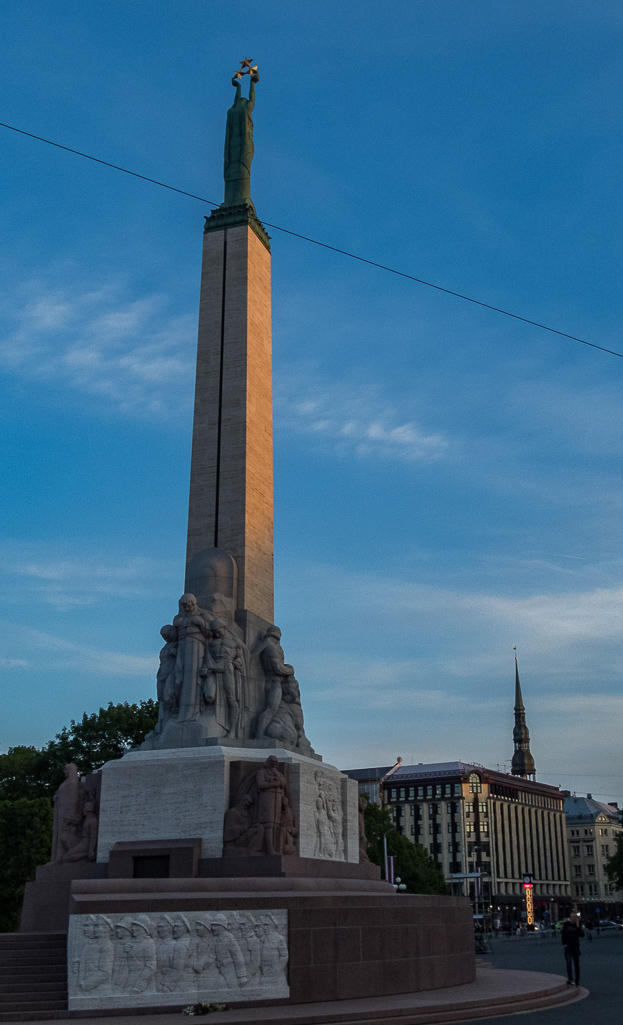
point(53, 984)
point(26, 981)
point(11, 1016)
point(31, 941)
point(7, 1010)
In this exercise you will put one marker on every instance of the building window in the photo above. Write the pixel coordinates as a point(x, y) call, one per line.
point(402, 793)
point(412, 830)
point(438, 790)
point(449, 809)
point(575, 850)
point(457, 790)
point(482, 808)
point(447, 790)
point(469, 827)
point(429, 791)
point(484, 827)
point(588, 850)
point(420, 792)
point(577, 870)
point(605, 850)
point(431, 828)
point(411, 793)
point(590, 869)
point(392, 795)
point(475, 783)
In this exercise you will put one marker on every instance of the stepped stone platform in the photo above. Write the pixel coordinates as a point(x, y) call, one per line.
point(495, 992)
point(33, 976)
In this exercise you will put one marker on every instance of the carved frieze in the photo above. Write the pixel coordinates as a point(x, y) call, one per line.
point(145, 960)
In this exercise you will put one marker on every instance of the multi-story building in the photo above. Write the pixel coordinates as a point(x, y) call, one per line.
point(471, 818)
point(592, 828)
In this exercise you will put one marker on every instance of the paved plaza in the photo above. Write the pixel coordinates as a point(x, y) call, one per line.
point(600, 968)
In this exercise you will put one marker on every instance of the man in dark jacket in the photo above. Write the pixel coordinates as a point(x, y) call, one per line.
point(572, 933)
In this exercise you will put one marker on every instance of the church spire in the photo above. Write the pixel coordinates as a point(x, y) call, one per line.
point(522, 763)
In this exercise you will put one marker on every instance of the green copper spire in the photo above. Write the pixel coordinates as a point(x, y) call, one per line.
point(237, 207)
point(522, 763)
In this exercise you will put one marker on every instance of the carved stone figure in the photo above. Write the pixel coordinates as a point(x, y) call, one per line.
point(271, 786)
point(141, 956)
point(203, 955)
point(192, 629)
point(223, 676)
point(123, 948)
point(66, 813)
point(274, 953)
point(328, 819)
point(74, 831)
point(363, 841)
point(168, 695)
point(80, 839)
point(239, 144)
point(251, 949)
point(241, 835)
point(260, 819)
point(276, 670)
point(165, 945)
point(180, 973)
point(229, 959)
point(93, 968)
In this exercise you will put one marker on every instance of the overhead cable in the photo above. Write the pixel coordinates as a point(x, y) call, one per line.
point(324, 245)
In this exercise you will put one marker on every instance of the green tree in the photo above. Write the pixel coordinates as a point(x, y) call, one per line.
point(98, 738)
point(614, 865)
point(23, 773)
point(25, 842)
point(414, 865)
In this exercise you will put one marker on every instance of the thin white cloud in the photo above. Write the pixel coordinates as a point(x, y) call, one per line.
point(50, 652)
point(351, 419)
point(14, 663)
point(133, 355)
point(30, 572)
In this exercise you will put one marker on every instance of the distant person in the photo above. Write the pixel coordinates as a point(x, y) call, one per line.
point(589, 931)
point(572, 933)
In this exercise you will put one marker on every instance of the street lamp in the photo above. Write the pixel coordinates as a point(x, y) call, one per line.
point(398, 885)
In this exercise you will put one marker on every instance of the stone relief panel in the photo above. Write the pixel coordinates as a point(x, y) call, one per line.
point(146, 960)
point(260, 819)
point(328, 818)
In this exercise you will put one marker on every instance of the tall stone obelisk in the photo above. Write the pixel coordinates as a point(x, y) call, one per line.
point(231, 479)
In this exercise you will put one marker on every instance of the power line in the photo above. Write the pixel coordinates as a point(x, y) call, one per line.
point(323, 245)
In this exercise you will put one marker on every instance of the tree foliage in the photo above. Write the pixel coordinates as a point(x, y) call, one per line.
point(414, 865)
point(29, 778)
point(30, 772)
point(25, 842)
point(614, 865)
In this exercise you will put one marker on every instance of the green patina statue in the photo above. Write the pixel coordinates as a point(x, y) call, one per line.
point(237, 207)
point(239, 144)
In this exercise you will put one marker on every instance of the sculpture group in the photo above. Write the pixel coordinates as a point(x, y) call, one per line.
point(260, 819)
point(74, 836)
point(188, 955)
point(206, 670)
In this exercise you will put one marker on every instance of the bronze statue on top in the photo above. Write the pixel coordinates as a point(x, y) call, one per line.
point(239, 139)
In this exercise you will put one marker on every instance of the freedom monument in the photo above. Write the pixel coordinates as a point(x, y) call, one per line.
point(223, 859)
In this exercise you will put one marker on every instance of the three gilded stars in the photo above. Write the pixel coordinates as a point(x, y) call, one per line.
point(246, 67)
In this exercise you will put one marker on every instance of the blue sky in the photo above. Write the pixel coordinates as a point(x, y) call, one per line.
point(447, 479)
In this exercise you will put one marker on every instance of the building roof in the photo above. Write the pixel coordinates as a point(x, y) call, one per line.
point(432, 770)
point(585, 809)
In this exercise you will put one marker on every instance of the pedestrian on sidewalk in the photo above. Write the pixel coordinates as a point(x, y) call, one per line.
point(572, 933)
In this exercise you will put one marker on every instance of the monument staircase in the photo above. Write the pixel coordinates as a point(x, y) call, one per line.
point(33, 976)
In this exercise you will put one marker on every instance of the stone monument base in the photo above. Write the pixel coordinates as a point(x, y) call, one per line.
point(252, 941)
point(185, 793)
